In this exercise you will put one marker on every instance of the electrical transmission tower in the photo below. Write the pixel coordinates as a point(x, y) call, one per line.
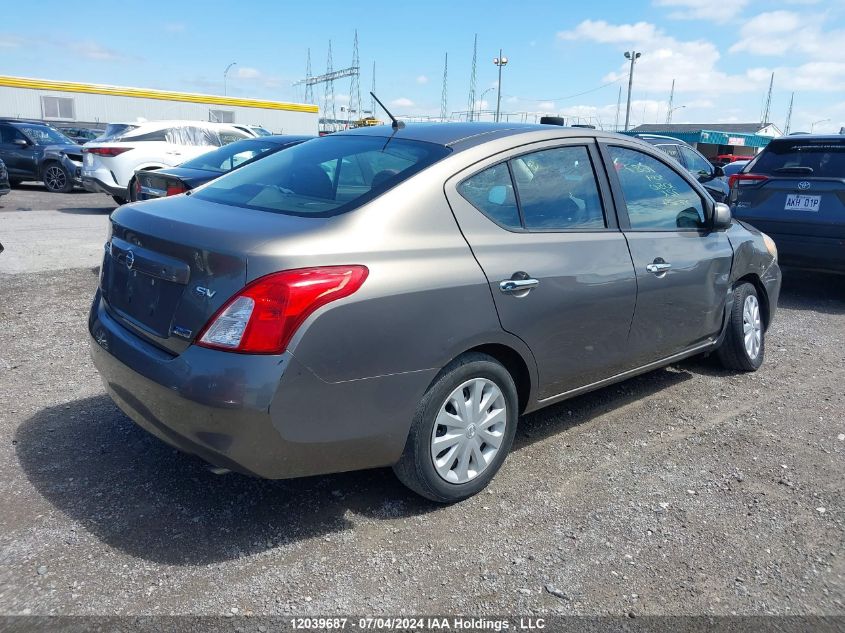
point(309, 87)
point(444, 98)
point(355, 84)
point(789, 115)
point(767, 108)
point(329, 111)
point(373, 91)
point(471, 104)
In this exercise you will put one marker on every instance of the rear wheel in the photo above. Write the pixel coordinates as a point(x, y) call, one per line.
point(745, 341)
point(119, 200)
point(462, 430)
point(57, 179)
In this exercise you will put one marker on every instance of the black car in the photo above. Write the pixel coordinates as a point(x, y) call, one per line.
point(710, 176)
point(159, 183)
point(34, 150)
point(794, 190)
point(4, 179)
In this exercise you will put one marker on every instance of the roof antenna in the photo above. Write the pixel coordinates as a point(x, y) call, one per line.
point(397, 124)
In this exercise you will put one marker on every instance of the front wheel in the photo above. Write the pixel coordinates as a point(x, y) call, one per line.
point(745, 341)
point(462, 430)
point(57, 179)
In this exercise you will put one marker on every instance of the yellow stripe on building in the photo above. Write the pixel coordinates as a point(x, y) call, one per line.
point(145, 93)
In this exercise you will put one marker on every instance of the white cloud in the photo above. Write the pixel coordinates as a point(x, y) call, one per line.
point(402, 102)
point(245, 72)
point(697, 10)
point(92, 50)
point(785, 32)
point(546, 106)
point(691, 63)
point(422, 79)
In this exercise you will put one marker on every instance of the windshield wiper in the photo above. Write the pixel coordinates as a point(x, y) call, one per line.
point(797, 169)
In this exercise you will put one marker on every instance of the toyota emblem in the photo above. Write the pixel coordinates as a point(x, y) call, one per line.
point(804, 185)
point(130, 259)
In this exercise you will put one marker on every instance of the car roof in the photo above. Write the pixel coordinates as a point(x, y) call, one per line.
point(24, 121)
point(281, 138)
point(466, 134)
point(809, 137)
point(660, 138)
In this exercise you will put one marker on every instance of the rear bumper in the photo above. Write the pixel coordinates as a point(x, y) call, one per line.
point(267, 416)
point(96, 185)
point(814, 253)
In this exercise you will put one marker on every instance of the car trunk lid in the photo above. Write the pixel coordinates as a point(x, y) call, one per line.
point(172, 263)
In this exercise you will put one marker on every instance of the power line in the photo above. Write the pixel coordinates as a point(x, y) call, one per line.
point(610, 83)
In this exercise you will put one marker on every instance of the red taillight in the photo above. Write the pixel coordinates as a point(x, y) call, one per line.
point(262, 318)
point(105, 151)
point(743, 180)
point(175, 188)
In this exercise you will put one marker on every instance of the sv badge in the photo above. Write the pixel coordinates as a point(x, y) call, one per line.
point(208, 293)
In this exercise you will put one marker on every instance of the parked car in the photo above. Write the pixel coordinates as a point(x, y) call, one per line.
point(707, 174)
point(159, 183)
point(112, 160)
point(723, 159)
point(734, 168)
point(398, 297)
point(253, 130)
point(81, 135)
point(4, 179)
point(795, 191)
point(33, 150)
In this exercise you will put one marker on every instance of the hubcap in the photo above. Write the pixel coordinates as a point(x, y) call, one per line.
point(54, 178)
point(751, 328)
point(468, 431)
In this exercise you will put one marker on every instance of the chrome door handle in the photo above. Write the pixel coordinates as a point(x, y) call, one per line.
point(517, 285)
point(658, 268)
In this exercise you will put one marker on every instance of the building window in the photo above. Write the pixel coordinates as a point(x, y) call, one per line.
point(57, 108)
point(221, 116)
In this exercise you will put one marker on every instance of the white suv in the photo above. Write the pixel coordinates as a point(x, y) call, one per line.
point(109, 163)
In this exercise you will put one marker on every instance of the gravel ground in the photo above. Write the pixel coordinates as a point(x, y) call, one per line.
point(689, 490)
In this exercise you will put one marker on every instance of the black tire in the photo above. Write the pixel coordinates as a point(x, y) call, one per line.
point(732, 353)
point(56, 178)
point(416, 467)
point(118, 200)
point(130, 191)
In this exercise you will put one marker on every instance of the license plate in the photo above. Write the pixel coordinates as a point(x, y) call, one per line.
point(797, 202)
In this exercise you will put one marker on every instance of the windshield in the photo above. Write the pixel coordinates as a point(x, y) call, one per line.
point(230, 156)
point(820, 158)
point(324, 176)
point(43, 135)
point(115, 131)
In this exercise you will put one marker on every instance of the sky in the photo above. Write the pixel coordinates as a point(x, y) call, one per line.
point(563, 57)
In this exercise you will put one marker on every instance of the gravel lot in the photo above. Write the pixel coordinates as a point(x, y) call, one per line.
point(689, 490)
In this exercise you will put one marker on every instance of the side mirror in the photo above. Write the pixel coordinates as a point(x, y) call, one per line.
point(20, 142)
point(721, 216)
point(718, 172)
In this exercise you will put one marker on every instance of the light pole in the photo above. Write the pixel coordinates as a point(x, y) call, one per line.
point(815, 123)
point(499, 61)
point(226, 72)
point(633, 56)
point(481, 100)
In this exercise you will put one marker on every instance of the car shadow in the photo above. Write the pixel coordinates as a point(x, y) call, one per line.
point(138, 495)
point(813, 291)
point(570, 413)
point(87, 210)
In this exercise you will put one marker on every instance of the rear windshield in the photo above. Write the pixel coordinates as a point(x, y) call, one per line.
point(43, 135)
point(324, 176)
point(115, 131)
point(821, 158)
point(230, 156)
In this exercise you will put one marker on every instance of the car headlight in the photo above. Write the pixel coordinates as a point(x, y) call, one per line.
point(770, 246)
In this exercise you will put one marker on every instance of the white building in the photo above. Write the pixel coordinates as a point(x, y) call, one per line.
point(94, 105)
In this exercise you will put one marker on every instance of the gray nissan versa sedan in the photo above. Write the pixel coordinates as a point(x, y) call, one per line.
point(399, 296)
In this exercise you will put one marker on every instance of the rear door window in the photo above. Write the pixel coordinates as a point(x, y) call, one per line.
point(491, 192)
point(819, 158)
point(325, 176)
